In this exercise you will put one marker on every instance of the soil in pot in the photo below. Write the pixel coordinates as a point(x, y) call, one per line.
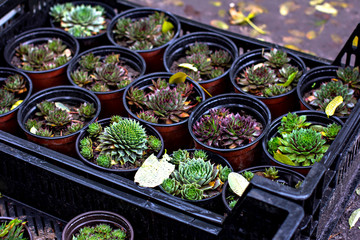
point(270, 75)
point(15, 88)
point(298, 140)
point(14, 228)
point(204, 57)
point(153, 100)
point(231, 125)
point(85, 20)
point(146, 30)
point(278, 174)
point(118, 145)
point(198, 177)
point(322, 85)
point(54, 117)
point(94, 220)
point(106, 71)
point(43, 54)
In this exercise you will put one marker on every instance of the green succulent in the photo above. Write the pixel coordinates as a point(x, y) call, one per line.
point(349, 76)
point(276, 58)
point(136, 96)
point(15, 83)
point(171, 186)
point(248, 175)
point(87, 152)
point(87, 110)
point(143, 33)
point(274, 90)
point(89, 61)
point(104, 160)
point(100, 231)
point(45, 108)
point(125, 141)
point(224, 172)
point(94, 129)
point(81, 78)
point(331, 131)
point(12, 230)
point(44, 132)
point(74, 127)
point(99, 87)
point(110, 73)
point(32, 123)
point(271, 173)
point(198, 48)
point(191, 192)
point(7, 99)
point(180, 156)
point(200, 154)
point(291, 122)
point(154, 143)
point(58, 117)
point(86, 142)
point(289, 71)
point(148, 116)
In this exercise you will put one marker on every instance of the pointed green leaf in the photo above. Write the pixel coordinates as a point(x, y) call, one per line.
point(289, 80)
point(178, 77)
point(167, 26)
point(237, 183)
point(283, 159)
point(354, 217)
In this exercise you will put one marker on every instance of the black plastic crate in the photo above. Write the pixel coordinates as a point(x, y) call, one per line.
point(28, 175)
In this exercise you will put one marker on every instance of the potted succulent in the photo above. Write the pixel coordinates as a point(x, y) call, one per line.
point(14, 228)
point(43, 54)
point(166, 106)
point(271, 75)
point(298, 140)
point(146, 30)
point(198, 177)
point(278, 174)
point(85, 20)
point(98, 225)
point(231, 125)
point(106, 71)
point(205, 57)
point(15, 88)
point(118, 145)
point(322, 84)
point(54, 117)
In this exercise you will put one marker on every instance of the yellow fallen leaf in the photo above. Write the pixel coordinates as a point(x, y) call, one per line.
point(219, 24)
point(16, 104)
point(188, 66)
point(237, 183)
point(354, 217)
point(296, 33)
point(339, 4)
point(355, 42)
point(216, 3)
point(287, 7)
point(326, 8)
point(166, 26)
point(293, 47)
point(291, 40)
point(311, 35)
point(332, 105)
point(336, 38)
point(178, 77)
point(315, 2)
point(178, 3)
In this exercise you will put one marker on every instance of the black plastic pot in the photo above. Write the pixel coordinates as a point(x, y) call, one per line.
point(211, 203)
point(241, 157)
point(47, 78)
point(94, 218)
point(315, 117)
point(8, 121)
point(175, 135)
point(312, 80)
point(111, 102)
point(128, 173)
point(153, 57)
point(69, 94)
point(26, 234)
point(278, 105)
point(215, 41)
point(286, 176)
point(96, 40)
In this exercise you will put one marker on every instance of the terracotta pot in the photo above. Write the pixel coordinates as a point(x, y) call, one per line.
point(128, 173)
point(111, 102)
point(70, 94)
point(211, 203)
point(312, 80)
point(8, 121)
point(26, 233)
point(95, 40)
point(153, 57)
point(47, 78)
point(286, 176)
point(175, 135)
point(240, 157)
point(215, 41)
point(278, 105)
point(94, 218)
point(315, 117)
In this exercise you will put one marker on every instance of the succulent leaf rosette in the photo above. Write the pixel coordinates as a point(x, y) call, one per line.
point(221, 128)
point(124, 143)
point(100, 231)
point(11, 91)
point(273, 77)
point(56, 119)
point(163, 102)
point(301, 143)
point(103, 74)
point(346, 85)
point(13, 229)
point(144, 33)
point(79, 20)
point(195, 176)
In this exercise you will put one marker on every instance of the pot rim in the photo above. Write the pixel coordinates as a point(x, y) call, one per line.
point(26, 228)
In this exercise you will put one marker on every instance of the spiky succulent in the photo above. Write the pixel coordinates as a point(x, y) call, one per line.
point(74, 127)
point(223, 129)
point(89, 61)
point(223, 172)
point(125, 141)
point(349, 76)
point(291, 122)
point(331, 131)
point(143, 33)
point(15, 83)
point(180, 156)
point(58, 117)
point(7, 99)
point(44, 132)
point(154, 143)
point(191, 192)
point(148, 116)
point(104, 160)
point(327, 92)
point(276, 58)
point(94, 129)
point(13, 229)
point(271, 173)
point(171, 186)
point(110, 73)
point(80, 20)
point(52, 54)
point(248, 175)
point(45, 108)
point(87, 110)
point(100, 231)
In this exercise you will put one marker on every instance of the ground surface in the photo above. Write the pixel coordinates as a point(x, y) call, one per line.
point(316, 29)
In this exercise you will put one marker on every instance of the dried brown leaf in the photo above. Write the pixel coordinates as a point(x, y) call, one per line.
point(219, 24)
point(296, 48)
point(255, 8)
point(290, 21)
point(310, 11)
point(336, 38)
point(291, 40)
point(222, 13)
point(311, 35)
point(327, 8)
point(287, 7)
point(296, 33)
